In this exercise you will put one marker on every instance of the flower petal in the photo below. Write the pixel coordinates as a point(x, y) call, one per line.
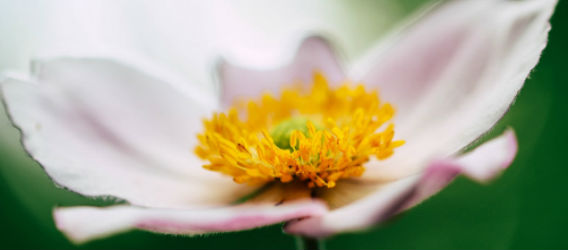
point(314, 53)
point(99, 127)
point(389, 198)
point(482, 164)
point(82, 224)
point(455, 73)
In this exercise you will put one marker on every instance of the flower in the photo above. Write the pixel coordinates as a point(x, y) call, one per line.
point(101, 127)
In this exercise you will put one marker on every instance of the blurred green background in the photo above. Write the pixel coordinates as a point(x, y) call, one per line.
point(525, 208)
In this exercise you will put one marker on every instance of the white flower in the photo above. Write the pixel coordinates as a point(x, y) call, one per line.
point(101, 127)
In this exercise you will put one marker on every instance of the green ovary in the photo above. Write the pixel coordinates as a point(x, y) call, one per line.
point(281, 132)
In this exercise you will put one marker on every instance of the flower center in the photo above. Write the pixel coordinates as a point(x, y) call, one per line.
point(317, 136)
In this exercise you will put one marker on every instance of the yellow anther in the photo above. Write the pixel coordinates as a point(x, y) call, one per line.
point(294, 138)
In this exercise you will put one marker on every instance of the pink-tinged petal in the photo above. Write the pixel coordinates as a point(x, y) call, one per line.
point(390, 198)
point(314, 53)
point(486, 161)
point(359, 215)
point(100, 127)
point(455, 73)
point(409, 61)
point(482, 164)
point(82, 224)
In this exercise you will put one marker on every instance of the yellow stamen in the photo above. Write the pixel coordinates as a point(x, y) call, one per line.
point(297, 146)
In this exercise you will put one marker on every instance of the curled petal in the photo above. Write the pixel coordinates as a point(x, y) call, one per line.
point(314, 53)
point(100, 127)
point(82, 224)
point(390, 198)
point(455, 72)
point(482, 164)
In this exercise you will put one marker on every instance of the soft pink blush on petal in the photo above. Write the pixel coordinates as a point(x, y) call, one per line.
point(407, 63)
point(314, 53)
point(454, 74)
point(483, 163)
point(81, 224)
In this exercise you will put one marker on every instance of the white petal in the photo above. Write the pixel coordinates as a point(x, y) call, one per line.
point(99, 127)
point(81, 224)
point(389, 198)
point(455, 73)
point(313, 54)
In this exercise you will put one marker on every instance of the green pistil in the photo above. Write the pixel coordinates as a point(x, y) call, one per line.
point(281, 132)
